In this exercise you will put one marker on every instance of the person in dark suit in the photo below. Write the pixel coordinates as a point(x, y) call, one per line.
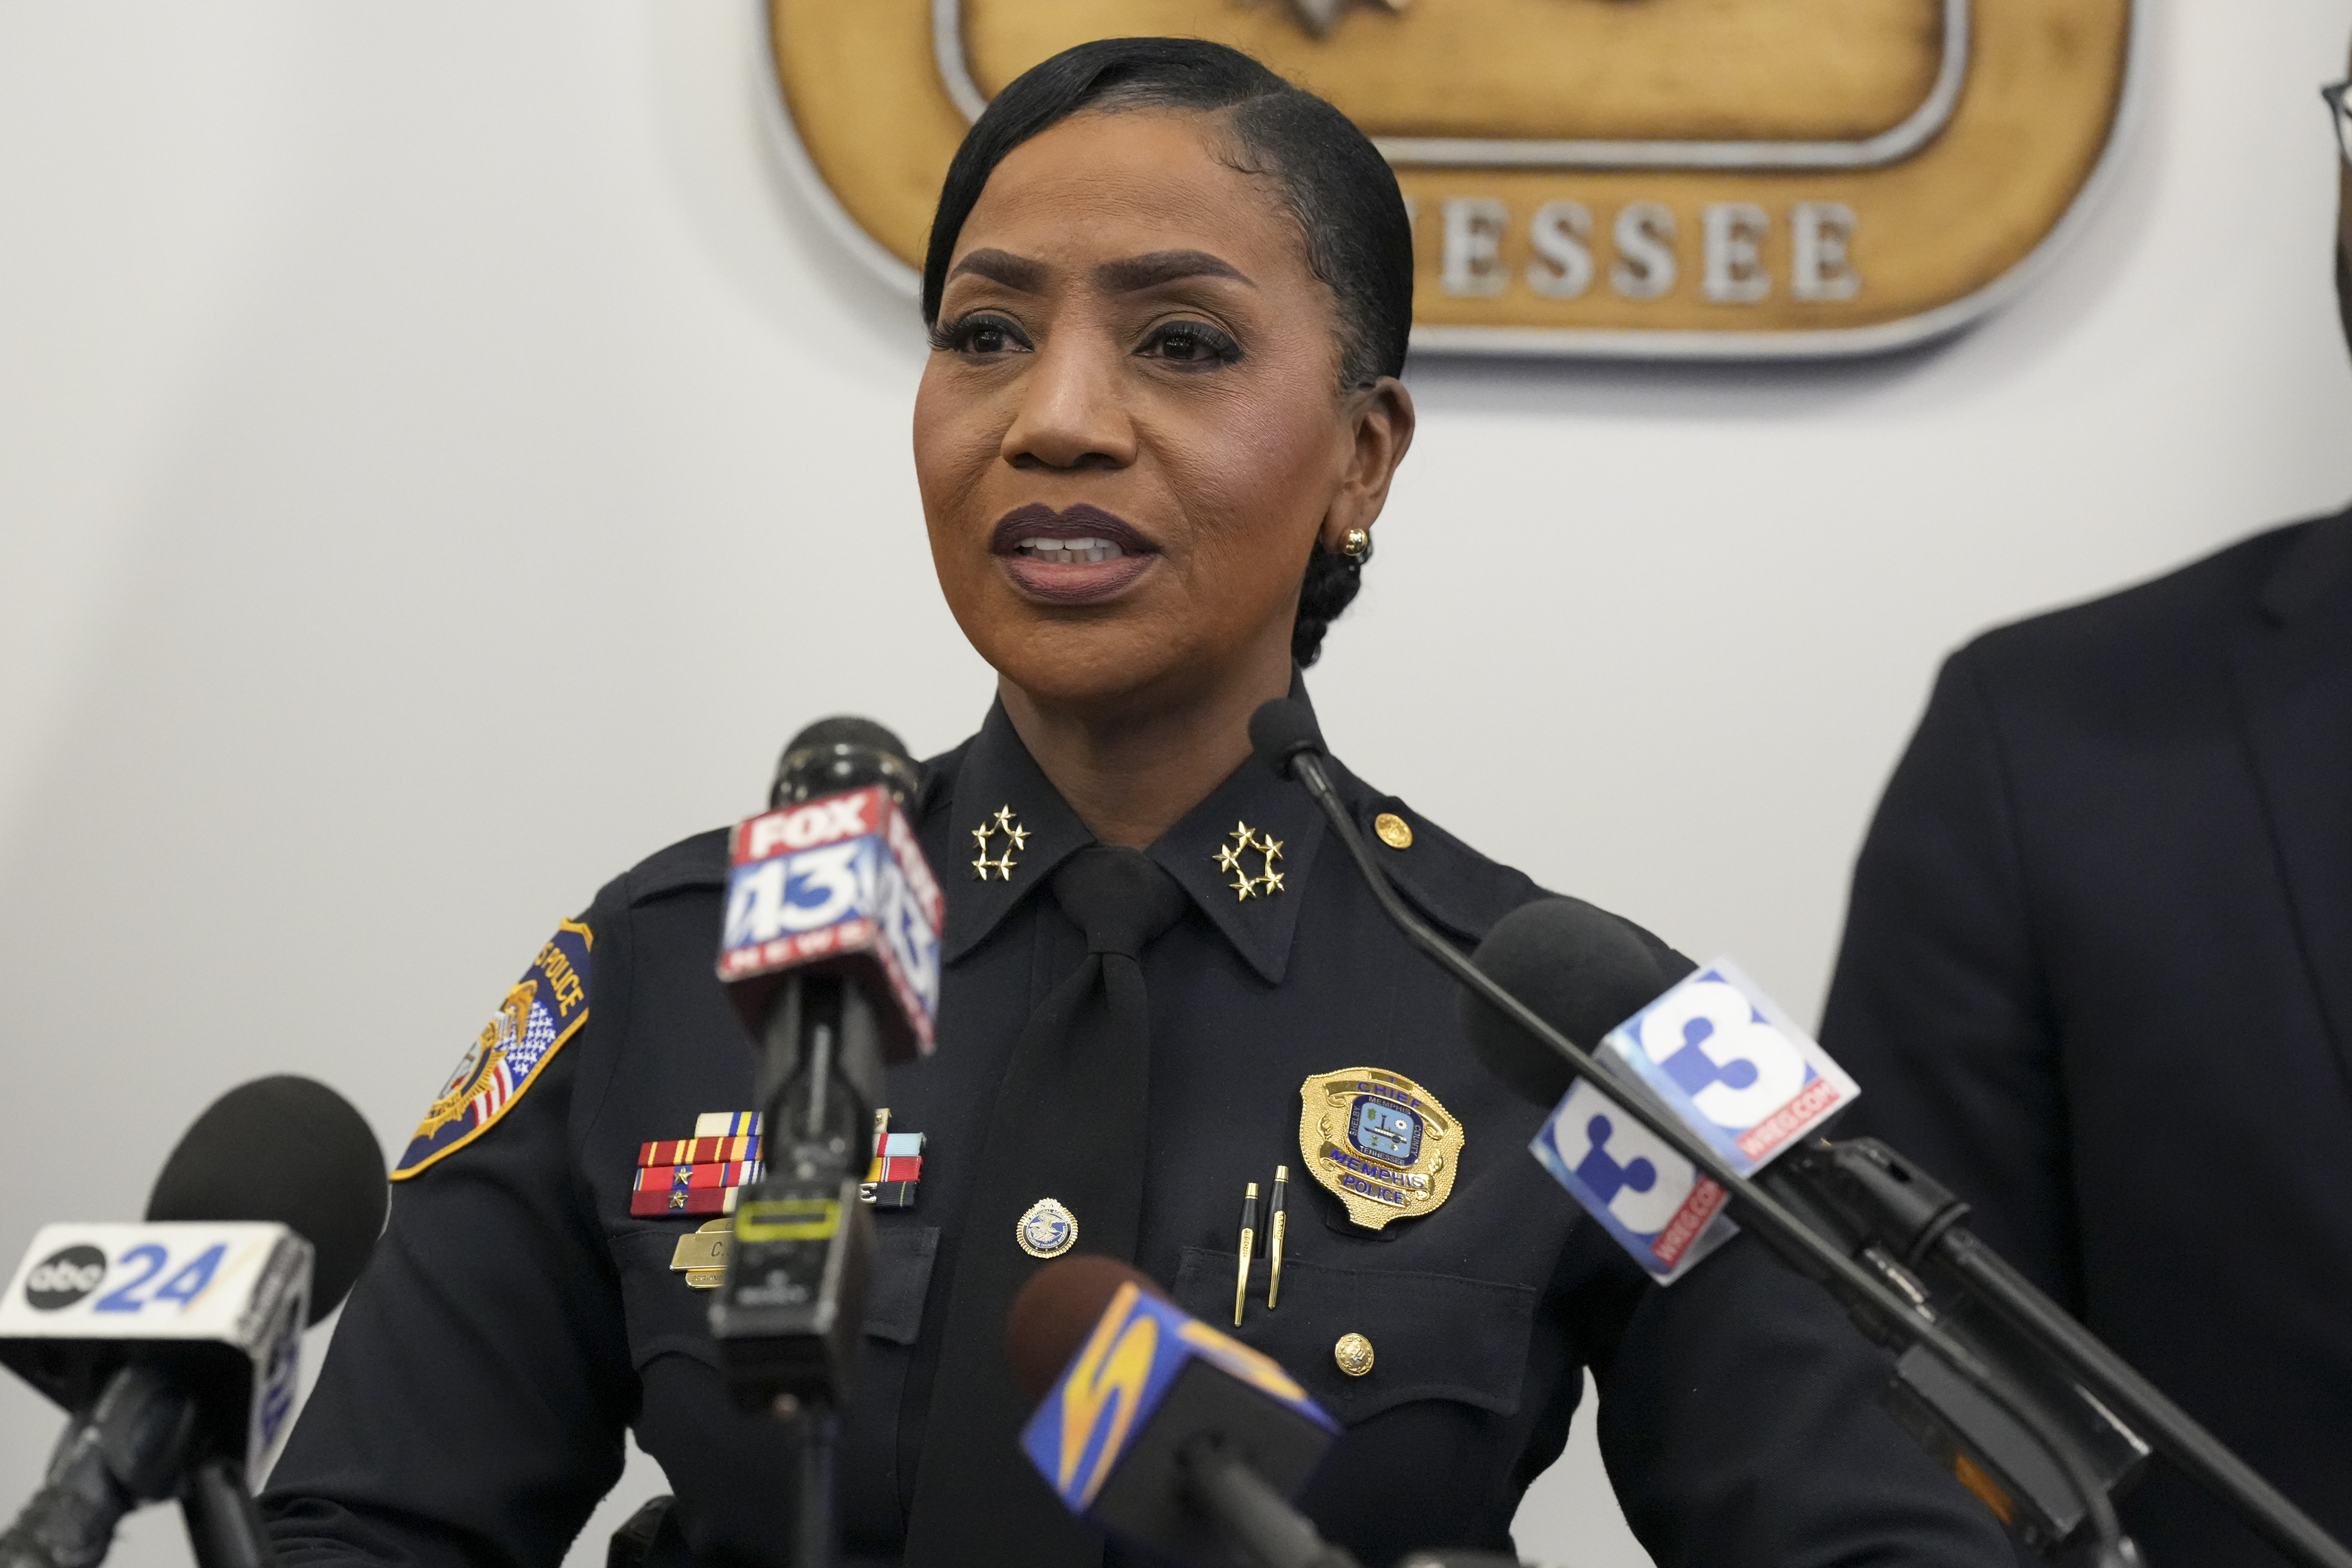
point(1170, 297)
point(2097, 977)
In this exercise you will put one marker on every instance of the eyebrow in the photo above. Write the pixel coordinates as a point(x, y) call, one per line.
point(1016, 272)
point(1135, 273)
point(1129, 275)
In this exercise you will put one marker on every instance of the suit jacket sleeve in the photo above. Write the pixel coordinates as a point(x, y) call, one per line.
point(1938, 1007)
point(472, 1405)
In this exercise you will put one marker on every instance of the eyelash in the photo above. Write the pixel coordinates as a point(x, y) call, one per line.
point(956, 336)
point(959, 336)
point(1221, 349)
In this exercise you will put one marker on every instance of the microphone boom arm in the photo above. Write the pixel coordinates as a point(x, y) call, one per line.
point(1903, 1210)
point(1875, 1307)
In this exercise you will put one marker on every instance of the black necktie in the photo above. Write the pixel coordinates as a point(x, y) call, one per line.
point(1068, 1125)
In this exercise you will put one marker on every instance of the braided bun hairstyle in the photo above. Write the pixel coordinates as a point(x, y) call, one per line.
point(1333, 580)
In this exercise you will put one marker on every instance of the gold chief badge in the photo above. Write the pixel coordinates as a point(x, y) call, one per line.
point(1379, 1142)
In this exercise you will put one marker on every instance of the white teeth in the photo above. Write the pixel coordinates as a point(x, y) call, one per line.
point(1077, 552)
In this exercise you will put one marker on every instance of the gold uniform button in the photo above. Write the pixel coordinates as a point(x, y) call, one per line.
point(1354, 1354)
point(1394, 830)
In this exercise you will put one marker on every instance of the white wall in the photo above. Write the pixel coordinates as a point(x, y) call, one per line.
point(441, 458)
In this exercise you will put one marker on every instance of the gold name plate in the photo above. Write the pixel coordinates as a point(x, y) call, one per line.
point(701, 1255)
point(1651, 178)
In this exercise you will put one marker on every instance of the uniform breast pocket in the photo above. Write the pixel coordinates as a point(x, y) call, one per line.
point(666, 1316)
point(903, 1254)
point(1429, 1336)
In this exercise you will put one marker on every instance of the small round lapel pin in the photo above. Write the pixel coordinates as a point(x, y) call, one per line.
point(1047, 1229)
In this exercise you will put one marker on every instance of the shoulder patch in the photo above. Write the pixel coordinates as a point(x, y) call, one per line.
point(541, 1011)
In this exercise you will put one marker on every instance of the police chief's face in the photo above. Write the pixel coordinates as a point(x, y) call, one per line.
point(1130, 430)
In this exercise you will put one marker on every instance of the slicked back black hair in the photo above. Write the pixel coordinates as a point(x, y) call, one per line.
point(1333, 180)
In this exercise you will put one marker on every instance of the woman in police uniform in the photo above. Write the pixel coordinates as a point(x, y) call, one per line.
point(1168, 297)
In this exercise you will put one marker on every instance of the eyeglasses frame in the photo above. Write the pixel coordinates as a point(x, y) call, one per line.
point(2336, 98)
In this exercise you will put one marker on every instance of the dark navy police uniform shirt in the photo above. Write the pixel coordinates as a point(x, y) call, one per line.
point(516, 1317)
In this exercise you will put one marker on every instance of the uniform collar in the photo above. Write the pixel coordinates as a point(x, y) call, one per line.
point(1004, 807)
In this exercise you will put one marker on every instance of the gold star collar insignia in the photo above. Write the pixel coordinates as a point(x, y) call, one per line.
point(1005, 825)
point(1248, 841)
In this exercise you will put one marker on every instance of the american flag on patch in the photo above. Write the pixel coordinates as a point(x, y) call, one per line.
point(513, 1062)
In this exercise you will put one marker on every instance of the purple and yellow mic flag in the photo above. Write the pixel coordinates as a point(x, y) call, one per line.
point(1101, 1410)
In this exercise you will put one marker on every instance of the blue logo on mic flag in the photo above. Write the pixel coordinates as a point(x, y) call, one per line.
point(1655, 1202)
point(1732, 1066)
point(1718, 1056)
point(541, 1011)
point(1106, 1395)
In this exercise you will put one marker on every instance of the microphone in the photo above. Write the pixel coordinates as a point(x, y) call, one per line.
point(1886, 1212)
point(829, 881)
point(830, 951)
point(1857, 1219)
point(1885, 1302)
point(1577, 966)
point(1711, 1049)
point(176, 1344)
point(1584, 970)
point(1161, 1430)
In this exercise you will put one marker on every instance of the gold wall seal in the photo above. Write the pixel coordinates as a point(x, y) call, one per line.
point(1379, 1143)
point(1657, 178)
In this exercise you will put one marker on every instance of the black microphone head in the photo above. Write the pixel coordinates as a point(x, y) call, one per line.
point(1580, 968)
point(292, 1151)
point(839, 753)
point(1056, 1311)
point(1282, 728)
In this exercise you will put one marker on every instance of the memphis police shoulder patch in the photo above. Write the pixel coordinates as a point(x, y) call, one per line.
point(541, 1011)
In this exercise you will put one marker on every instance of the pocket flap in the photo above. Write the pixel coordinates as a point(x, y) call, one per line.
point(665, 1315)
point(1434, 1336)
point(903, 1254)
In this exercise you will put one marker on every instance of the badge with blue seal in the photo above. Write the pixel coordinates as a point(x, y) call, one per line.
point(1379, 1143)
point(1047, 1229)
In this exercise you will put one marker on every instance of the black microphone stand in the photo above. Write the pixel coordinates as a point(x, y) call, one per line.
point(1889, 1316)
point(1256, 1521)
point(225, 1527)
point(142, 1441)
point(793, 1302)
point(793, 1305)
point(1892, 1206)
